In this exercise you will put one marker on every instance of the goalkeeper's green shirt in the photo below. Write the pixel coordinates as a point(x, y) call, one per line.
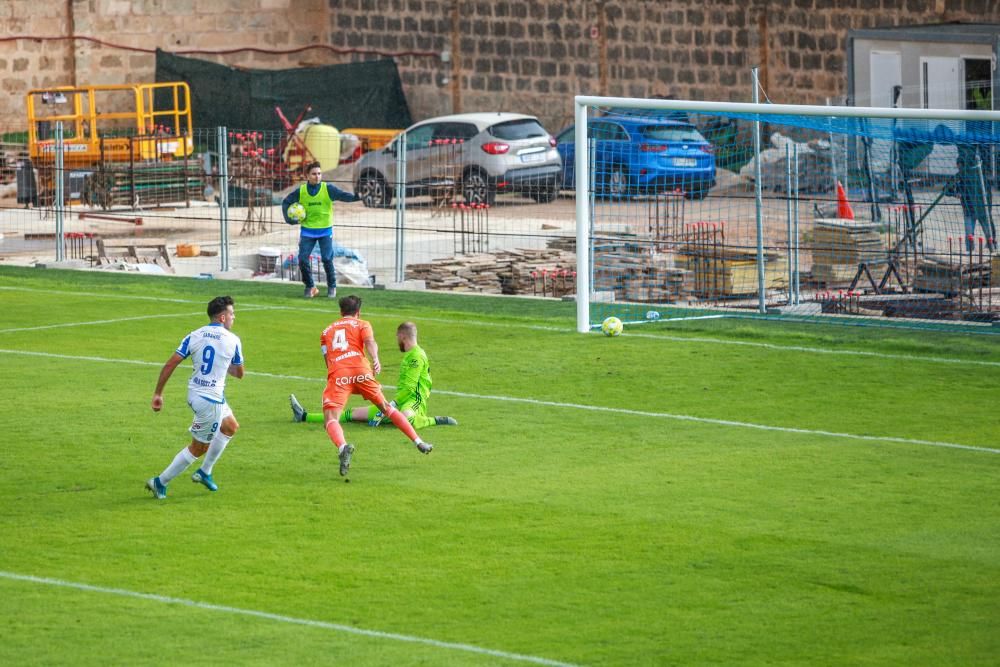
point(414, 385)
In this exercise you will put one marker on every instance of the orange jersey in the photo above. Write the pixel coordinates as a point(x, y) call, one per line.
point(348, 369)
point(343, 345)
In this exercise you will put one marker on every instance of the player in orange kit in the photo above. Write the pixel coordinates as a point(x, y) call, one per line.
point(347, 345)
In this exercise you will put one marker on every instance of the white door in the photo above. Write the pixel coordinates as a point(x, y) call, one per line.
point(886, 73)
point(941, 88)
point(940, 83)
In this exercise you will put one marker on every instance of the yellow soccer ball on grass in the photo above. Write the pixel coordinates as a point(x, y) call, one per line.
point(612, 326)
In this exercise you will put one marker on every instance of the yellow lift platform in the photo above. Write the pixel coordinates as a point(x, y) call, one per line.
point(117, 131)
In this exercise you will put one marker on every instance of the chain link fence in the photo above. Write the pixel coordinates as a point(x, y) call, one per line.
point(435, 216)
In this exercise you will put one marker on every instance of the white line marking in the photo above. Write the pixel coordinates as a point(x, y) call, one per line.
point(578, 406)
point(672, 319)
point(816, 350)
point(243, 309)
point(533, 327)
point(92, 322)
point(337, 627)
point(53, 355)
point(725, 422)
point(101, 295)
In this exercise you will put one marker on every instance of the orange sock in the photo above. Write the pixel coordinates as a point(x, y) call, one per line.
point(399, 419)
point(336, 433)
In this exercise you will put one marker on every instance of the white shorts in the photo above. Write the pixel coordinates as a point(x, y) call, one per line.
point(207, 417)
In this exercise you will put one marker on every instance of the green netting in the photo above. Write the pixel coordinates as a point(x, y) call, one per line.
point(368, 94)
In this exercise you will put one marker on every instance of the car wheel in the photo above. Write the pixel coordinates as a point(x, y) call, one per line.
point(476, 189)
point(544, 194)
point(373, 191)
point(697, 192)
point(617, 185)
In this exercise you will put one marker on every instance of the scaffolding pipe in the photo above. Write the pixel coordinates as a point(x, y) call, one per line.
point(60, 193)
point(222, 145)
point(759, 199)
point(400, 186)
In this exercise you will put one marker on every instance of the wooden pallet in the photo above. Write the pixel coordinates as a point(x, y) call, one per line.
point(110, 252)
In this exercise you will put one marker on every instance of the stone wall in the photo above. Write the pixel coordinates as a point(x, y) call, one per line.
point(81, 42)
point(517, 55)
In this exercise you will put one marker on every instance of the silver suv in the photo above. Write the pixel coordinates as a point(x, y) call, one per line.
point(477, 155)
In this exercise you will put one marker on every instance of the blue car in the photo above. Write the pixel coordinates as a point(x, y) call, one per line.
point(635, 155)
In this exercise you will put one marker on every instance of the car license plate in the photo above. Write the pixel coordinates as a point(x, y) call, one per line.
point(533, 157)
point(685, 162)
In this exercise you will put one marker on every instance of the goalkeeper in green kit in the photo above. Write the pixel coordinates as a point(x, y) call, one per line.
point(412, 390)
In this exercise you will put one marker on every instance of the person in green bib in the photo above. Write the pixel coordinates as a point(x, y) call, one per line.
point(317, 197)
point(412, 391)
point(969, 185)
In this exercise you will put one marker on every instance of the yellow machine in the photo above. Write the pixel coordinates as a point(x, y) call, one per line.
point(117, 123)
point(108, 129)
point(372, 139)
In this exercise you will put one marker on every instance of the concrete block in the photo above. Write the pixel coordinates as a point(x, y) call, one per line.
point(603, 296)
point(65, 264)
point(234, 274)
point(808, 308)
point(407, 285)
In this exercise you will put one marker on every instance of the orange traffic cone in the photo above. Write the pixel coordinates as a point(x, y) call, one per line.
point(844, 210)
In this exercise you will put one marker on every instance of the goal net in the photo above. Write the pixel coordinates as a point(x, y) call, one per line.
point(853, 215)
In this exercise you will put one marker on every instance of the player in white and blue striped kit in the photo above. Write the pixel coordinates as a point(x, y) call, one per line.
point(215, 352)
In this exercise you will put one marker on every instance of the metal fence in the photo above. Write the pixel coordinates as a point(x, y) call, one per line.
point(218, 212)
point(766, 233)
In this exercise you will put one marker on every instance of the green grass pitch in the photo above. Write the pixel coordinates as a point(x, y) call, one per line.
point(716, 493)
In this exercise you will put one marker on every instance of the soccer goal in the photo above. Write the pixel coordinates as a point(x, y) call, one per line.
point(854, 215)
